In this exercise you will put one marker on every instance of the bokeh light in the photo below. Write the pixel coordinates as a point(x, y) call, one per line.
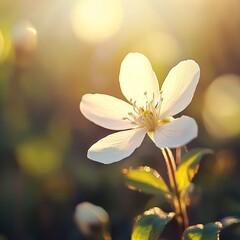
point(4, 46)
point(96, 20)
point(38, 157)
point(221, 111)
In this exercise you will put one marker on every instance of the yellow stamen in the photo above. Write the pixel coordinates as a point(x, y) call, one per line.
point(148, 116)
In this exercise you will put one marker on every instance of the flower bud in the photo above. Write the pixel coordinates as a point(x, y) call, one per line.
point(91, 219)
point(24, 37)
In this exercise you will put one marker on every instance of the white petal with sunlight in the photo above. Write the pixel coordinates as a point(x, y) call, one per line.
point(116, 146)
point(179, 87)
point(176, 133)
point(106, 111)
point(137, 77)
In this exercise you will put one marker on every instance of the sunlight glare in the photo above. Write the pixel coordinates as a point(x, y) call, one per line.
point(96, 20)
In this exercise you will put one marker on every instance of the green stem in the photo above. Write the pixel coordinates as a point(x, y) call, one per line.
point(179, 205)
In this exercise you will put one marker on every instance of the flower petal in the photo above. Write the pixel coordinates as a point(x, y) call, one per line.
point(137, 77)
point(176, 133)
point(179, 87)
point(106, 111)
point(117, 146)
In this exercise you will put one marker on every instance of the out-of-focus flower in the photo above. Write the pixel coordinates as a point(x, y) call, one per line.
point(90, 218)
point(24, 37)
point(149, 110)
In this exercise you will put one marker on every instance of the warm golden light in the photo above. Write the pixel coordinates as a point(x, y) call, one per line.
point(1, 45)
point(96, 20)
point(161, 47)
point(221, 111)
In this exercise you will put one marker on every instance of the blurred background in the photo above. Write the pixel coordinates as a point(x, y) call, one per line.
point(53, 52)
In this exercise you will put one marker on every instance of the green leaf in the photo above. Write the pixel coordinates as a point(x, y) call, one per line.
point(189, 167)
point(150, 224)
point(209, 231)
point(145, 179)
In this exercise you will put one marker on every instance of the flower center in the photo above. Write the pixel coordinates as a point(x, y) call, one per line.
point(147, 116)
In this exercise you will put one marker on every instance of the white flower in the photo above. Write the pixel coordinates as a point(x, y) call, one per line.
point(149, 110)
